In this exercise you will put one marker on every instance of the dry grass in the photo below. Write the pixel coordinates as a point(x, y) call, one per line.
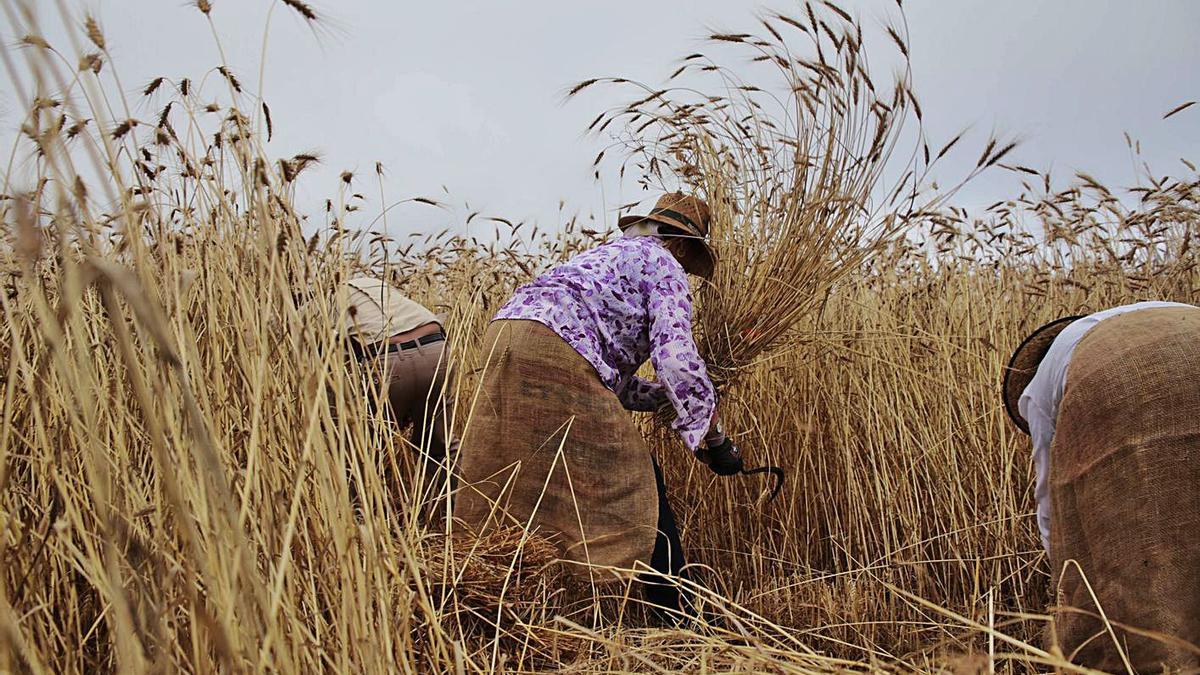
point(192, 479)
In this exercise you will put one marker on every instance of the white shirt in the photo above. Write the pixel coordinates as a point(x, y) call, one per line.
point(1040, 400)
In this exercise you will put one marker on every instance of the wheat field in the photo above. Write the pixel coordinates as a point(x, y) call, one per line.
point(193, 479)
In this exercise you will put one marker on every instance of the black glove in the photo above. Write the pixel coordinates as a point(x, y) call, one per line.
point(725, 459)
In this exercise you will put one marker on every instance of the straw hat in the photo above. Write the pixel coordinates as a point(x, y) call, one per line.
point(688, 214)
point(1024, 364)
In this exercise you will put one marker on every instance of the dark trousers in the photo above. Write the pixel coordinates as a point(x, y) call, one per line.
point(669, 601)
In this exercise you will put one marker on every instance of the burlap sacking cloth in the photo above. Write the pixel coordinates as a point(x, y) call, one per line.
point(547, 444)
point(1125, 492)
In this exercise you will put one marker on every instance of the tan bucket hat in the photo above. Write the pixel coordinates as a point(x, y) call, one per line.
point(690, 215)
point(1023, 365)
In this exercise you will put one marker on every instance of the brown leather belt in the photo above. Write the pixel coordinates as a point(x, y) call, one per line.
point(376, 349)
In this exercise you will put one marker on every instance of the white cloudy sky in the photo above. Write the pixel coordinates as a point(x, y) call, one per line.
point(468, 94)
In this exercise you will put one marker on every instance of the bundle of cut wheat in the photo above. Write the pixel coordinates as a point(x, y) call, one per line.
point(505, 568)
point(794, 173)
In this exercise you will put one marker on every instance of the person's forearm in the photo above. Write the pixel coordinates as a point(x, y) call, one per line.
point(680, 368)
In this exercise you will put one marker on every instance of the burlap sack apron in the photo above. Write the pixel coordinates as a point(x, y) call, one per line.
point(1125, 490)
point(548, 444)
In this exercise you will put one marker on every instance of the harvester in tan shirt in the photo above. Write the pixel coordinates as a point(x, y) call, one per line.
point(382, 324)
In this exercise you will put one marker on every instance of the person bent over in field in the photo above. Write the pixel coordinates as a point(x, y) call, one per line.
point(1112, 403)
point(549, 441)
point(402, 342)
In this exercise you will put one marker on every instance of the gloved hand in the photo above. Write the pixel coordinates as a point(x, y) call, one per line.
point(724, 458)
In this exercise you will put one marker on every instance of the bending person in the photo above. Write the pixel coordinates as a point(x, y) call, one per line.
point(1113, 407)
point(549, 442)
point(403, 342)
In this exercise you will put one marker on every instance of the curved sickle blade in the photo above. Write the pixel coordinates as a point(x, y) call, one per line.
point(775, 471)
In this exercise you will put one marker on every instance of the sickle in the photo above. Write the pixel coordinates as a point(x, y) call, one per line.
point(775, 471)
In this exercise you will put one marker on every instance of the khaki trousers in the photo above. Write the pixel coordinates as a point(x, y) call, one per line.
point(415, 380)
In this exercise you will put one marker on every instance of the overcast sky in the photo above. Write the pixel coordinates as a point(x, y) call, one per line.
point(469, 94)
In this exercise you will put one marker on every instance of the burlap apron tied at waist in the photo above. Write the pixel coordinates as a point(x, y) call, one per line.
point(548, 445)
point(1125, 492)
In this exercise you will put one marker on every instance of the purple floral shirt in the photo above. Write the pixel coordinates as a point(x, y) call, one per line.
point(617, 305)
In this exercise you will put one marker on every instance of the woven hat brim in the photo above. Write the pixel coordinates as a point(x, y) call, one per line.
point(1023, 365)
point(707, 262)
